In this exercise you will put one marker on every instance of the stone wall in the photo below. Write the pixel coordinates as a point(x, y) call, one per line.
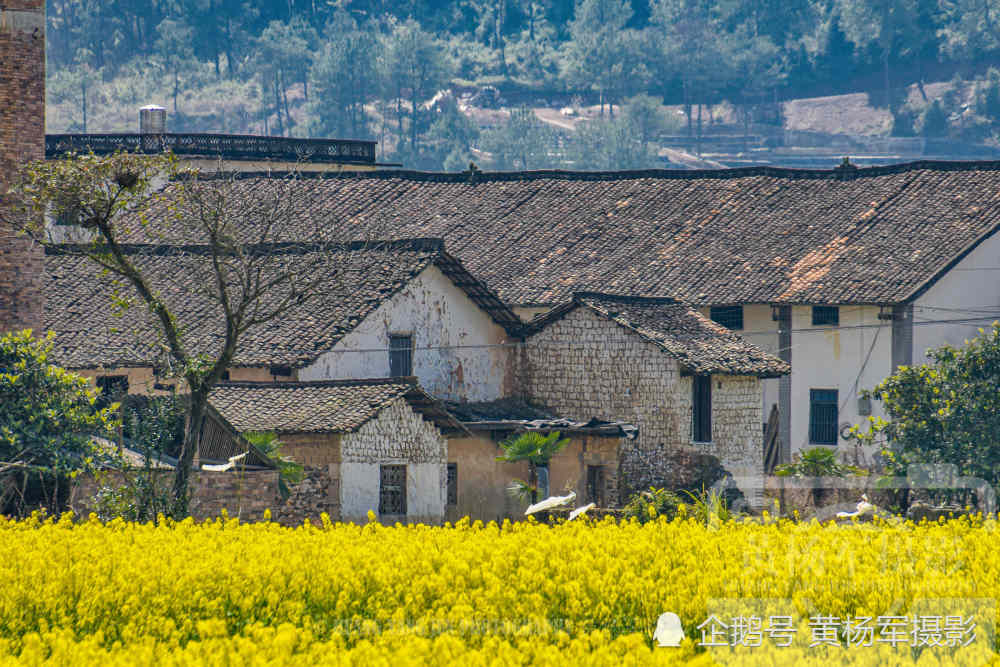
point(584, 366)
point(22, 139)
point(242, 494)
point(318, 492)
point(396, 434)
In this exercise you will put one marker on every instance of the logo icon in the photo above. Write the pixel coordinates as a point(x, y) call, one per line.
point(668, 630)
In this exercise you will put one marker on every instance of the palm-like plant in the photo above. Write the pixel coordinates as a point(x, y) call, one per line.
point(289, 472)
point(537, 450)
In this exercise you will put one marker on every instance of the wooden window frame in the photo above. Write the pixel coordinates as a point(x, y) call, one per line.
point(823, 431)
point(392, 489)
point(701, 408)
point(400, 356)
point(452, 484)
point(826, 316)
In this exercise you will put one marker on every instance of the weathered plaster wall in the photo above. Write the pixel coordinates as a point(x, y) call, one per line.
point(141, 379)
point(482, 480)
point(583, 366)
point(464, 362)
point(397, 436)
point(311, 449)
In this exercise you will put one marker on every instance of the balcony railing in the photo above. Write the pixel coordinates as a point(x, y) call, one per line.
point(226, 146)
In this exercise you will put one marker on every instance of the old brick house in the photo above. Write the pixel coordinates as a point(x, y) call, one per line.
point(845, 274)
point(685, 380)
point(382, 444)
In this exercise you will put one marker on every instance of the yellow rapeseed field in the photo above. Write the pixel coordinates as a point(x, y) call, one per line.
point(225, 592)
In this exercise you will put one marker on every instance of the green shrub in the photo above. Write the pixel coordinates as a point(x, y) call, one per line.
point(647, 505)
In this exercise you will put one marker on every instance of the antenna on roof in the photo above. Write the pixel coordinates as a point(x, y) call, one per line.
point(846, 169)
point(472, 172)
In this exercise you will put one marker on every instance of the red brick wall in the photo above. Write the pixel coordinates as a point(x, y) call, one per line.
point(22, 139)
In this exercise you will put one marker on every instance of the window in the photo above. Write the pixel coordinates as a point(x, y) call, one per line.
point(702, 408)
point(400, 355)
point(392, 489)
point(113, 388)
point(826, 315)
point(452, 483)
point(595, 485)
point(730, 317)
point(823, 416)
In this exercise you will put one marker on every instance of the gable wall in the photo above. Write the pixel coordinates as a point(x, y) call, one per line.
point(970, 290)
point(439, 315)
point(398, 435)
point(584, 366)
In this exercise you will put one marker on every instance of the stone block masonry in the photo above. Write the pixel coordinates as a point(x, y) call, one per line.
point(22, 139)
point(585, 366)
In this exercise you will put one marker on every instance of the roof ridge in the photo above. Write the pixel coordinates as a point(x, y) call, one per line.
point(835, 173)
point(628, 298)
point(435, 244)
point(409, 380)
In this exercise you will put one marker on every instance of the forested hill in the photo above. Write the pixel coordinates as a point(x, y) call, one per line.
point(371, 68)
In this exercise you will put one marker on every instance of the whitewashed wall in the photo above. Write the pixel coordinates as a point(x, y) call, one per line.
point(824, 358)
point(835, 359)
point(465, 362)
point(397, 436)
point(762, 331)
point(970, 290)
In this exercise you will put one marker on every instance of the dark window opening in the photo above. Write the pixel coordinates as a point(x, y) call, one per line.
point(113, 388)
point(392, 489)
point(452, 483)
point(823, 416)
point(400, 356)
point(281, 371)
point(595, 485)
point(730, 317)
point(225, 376)
point(826, 315)
point(702, 408)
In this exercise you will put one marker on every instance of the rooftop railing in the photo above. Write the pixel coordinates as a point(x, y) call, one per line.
point(225, 146)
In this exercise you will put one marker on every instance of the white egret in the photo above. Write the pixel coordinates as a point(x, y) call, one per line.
point(223, 467)
point(551, 503)
point(581, 510)
point(865, 508)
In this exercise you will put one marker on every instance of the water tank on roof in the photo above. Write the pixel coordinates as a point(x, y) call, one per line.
point(152, 119)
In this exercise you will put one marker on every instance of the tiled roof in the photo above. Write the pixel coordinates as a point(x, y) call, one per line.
point(512, 414)
point(90, 333)
point(698, 343)
point(496, 410)
point(753, 235)
point(332, 406)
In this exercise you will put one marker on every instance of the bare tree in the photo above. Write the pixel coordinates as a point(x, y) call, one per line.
point(198, 303)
